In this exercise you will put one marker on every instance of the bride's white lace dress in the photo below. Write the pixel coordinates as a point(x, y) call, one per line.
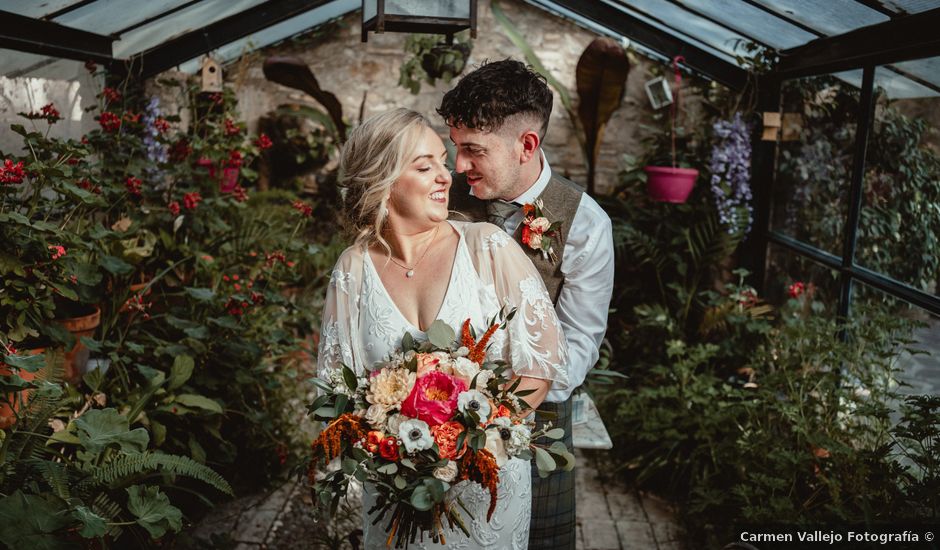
point(361, 325)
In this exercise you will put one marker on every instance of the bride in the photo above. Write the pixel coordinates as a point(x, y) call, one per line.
point(410, 266)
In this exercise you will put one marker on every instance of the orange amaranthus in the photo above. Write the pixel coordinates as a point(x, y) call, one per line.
point(329, 444)
point(477, 349)
point(480, 466)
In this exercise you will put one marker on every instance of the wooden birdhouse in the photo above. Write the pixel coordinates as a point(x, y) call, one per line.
point(211, 75)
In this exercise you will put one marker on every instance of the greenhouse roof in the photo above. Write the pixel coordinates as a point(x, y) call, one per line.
point(157, 35)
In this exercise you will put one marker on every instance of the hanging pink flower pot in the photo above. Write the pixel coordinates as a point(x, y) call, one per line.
point(668, 184)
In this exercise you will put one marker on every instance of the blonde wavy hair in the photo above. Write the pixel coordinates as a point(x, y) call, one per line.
point(372, 159)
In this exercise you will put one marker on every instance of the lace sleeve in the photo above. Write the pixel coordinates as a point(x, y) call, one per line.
point(338, 323)
point(536, 341)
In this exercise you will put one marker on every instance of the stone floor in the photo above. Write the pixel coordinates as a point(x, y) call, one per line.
point(610, 517)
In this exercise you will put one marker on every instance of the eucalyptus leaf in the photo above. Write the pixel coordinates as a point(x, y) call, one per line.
point(441, 335)
point(544, 460)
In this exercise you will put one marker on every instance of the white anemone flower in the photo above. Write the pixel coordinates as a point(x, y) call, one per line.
point(415, 434)
point(472, 400)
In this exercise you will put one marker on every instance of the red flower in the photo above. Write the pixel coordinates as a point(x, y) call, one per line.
point(526, 234)
point(191, 200)
point(446, 436)
point(433, 398)
point(305, 209)
point(389, 448)
point(231, 129)
point(796, 289)
point(133, 185)
point(88, 186)
point(239, 194)
point(373, 441)
point(50, 113)
point(12, 173)
point(174, 208)
point(111, 95)
point(263, 142)
point(235, 159)
point(109, 121)
point(56, 251)
point(131, 117)
point(216, 98)
point(161, 125)
point(180, 150)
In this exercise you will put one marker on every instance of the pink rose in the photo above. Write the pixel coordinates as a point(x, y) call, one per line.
point(433, 398)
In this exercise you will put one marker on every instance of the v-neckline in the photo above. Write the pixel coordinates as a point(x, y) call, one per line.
point(450, 283)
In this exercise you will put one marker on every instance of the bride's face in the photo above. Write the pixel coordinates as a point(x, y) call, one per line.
point(421, 193)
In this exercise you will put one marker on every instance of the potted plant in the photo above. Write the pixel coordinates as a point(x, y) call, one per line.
point(432, 59)
point(671, 183)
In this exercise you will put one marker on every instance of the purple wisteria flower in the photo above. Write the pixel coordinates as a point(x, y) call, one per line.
point(157, 151)
point(730, 167)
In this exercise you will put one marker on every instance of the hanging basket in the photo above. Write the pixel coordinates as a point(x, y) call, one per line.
point(668, 184)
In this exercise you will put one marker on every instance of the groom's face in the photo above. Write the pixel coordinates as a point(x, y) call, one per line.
point(490, 160)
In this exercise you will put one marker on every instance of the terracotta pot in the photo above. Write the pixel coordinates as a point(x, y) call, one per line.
point(79, 326)
point(7, 417)
point(668, 184)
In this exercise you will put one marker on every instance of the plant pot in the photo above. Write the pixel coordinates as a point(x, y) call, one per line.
point(668, 184)
point(7, 417)
point(84, 325)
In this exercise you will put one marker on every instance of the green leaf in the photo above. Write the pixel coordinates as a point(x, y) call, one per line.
point(28, 521)
point(201, 294)
point(388, 469)
point(555, 433)
point(407, 342)
point(29, 363)
point(153, 510)
point(181, 371)
point(100, 428)
point(400, 483)
point(544, 460)
point(116, 265)
point(349, 377)
point(199, 402)
point(93, 525)
point(421, 499)
point(441, 335)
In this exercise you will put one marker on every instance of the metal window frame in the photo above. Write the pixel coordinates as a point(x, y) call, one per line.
point(32, 35)
point(911, 39)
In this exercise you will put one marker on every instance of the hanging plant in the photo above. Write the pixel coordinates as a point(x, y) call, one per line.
point(432, 59)
point(671, 183)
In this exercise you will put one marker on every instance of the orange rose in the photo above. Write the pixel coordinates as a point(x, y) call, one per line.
point(446, 436)
point(373, 440)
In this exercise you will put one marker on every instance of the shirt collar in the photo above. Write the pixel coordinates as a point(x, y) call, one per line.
point(532, 193)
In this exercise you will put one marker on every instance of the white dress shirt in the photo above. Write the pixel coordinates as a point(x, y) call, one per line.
point(588, 266)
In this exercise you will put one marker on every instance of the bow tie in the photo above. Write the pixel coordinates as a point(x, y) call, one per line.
point(498, 211)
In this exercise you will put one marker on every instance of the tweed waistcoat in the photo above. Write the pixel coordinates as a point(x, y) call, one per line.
point(560, 201)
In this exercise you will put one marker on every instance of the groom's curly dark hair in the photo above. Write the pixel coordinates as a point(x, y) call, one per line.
point(486, 97)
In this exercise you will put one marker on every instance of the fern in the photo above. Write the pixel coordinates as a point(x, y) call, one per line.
point(110, 510)
point(125, 465)
point(55, 474)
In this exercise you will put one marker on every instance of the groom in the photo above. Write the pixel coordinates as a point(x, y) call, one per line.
point(498, 116)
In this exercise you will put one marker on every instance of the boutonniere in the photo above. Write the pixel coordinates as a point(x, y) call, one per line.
point(537, 232)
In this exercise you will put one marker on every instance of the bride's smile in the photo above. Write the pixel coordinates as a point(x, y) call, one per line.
point(421, 194)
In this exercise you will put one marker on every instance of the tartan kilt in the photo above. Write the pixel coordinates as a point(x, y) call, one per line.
point(553, 523)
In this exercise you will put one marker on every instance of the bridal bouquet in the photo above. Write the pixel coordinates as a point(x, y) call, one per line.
point(433, 415)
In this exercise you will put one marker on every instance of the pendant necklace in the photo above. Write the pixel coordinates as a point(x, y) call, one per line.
point(410, 271)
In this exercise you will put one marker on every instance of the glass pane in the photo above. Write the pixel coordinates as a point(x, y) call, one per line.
point(686, 25)
point(925, 69)
point(814, 163)
point(752, 21)
point(113, 16)
point(830, 17)
point(919, 368)
point(441, 8)
point(295, 25)
point(32, 8)
point(790, 275)
point(911, 6)
point(194, 17)
point(899, 233)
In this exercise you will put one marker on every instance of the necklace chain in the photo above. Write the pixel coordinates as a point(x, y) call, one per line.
point(410, 271)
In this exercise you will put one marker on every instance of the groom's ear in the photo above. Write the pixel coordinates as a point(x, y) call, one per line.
point(530, 146)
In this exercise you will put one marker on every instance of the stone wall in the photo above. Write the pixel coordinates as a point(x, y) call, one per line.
point(367, 74)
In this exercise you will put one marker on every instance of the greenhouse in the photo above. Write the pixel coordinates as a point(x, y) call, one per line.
point(246, 300)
